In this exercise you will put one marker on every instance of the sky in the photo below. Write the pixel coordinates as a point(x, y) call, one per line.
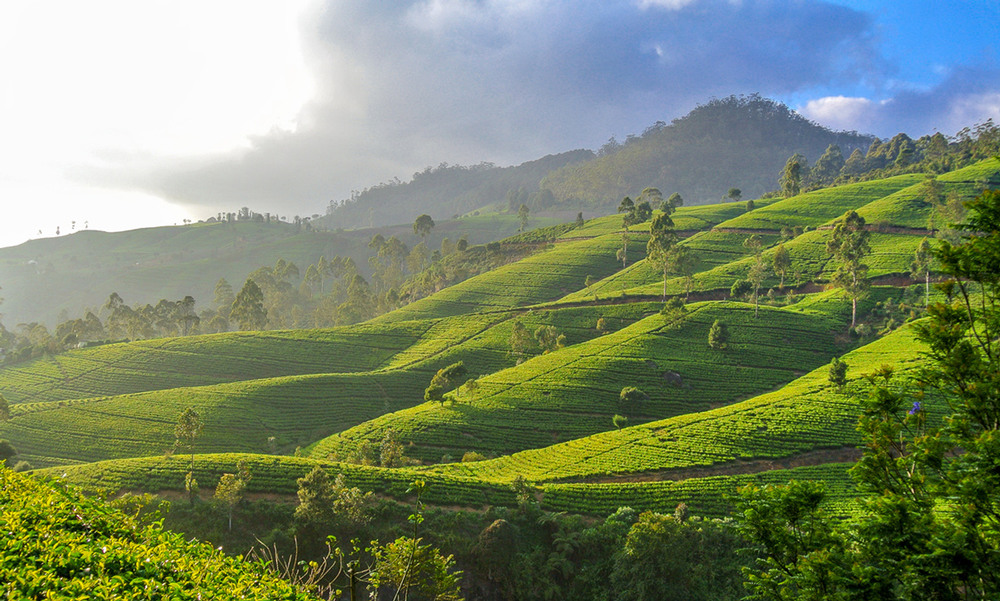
point(117, 114)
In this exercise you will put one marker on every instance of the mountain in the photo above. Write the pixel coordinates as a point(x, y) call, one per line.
point(446, 191)
point(736, 142)
point(739, 141)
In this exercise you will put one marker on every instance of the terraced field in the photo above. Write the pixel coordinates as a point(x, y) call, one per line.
point(277, 474)
point(759, 410)
point(804, 416)
point(574, 392)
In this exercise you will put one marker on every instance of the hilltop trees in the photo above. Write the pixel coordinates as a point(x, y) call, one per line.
point(849, 246)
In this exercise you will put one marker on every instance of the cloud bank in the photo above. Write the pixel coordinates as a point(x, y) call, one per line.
point(407, 84)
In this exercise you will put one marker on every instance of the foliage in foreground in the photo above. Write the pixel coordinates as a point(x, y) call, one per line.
point(930, 525)
point(60, 544)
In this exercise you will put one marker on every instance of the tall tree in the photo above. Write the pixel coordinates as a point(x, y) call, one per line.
point(188, 428)
point(627, 207)
point(758, 269)
point(792, 175)
point(659, 249)
point(781, 262)
point(522, 217)
point(849, 247)
point(248, 308)
point(920, 268)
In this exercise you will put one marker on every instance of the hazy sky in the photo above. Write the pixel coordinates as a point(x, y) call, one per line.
point(118, 114)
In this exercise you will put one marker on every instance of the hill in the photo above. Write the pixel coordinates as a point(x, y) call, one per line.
point(49, 279)
point(736, 142)
point(448, 191)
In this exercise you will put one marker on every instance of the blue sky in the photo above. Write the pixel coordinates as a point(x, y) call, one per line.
point(118, 114)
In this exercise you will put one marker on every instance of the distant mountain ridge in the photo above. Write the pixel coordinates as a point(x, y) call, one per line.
point(443, 192)
point(739, 141)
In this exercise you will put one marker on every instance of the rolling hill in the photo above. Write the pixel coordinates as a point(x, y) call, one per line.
point(758, 410)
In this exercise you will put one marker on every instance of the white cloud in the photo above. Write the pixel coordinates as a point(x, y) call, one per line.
point(840, 112)
point(969, 95)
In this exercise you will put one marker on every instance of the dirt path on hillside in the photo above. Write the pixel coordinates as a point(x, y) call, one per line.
point(733, 468)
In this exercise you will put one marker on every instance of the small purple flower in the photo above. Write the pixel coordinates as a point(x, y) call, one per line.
point(916, 408)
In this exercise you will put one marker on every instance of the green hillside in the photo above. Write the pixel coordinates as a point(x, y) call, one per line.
point(806, 416)
point(706, 418)
point(574, 391)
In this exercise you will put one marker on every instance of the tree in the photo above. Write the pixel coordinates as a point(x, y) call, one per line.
point(446, 379)
point(316, 500)
point(405, 566)
point(7, 451)
point(619, 421)
point(792, 175)
point(522, 217)
point(628, 208)
point(549, 339)
point(423, 226)
point(652, 197)
point(758, 270)
point(223, 296)
point(521, 342)
point(718, 335)
point(248, 308)
point(672, 203)
point(849, 246)
point(828, 166)
point(734, 194)
point(838, 373)
point(391, 450)
point(188, 428)
point(4, 409)
point(920, 268)
point(630, 397)
point(659, 249)
point(230, 490)
point(930, 514)
point(781, 262)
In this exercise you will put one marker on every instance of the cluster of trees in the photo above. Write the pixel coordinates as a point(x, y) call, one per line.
point(885, 158)
point(246, 214)
point(523, 343)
